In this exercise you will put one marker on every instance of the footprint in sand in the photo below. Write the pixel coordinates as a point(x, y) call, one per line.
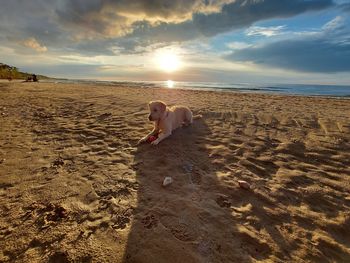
point(223, 201)
point(178, 229)
point(149, 221)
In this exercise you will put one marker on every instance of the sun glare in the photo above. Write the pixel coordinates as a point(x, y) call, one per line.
point(170, 84)
point(168, 61)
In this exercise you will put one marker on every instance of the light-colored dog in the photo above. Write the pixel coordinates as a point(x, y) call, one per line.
point(166, 119)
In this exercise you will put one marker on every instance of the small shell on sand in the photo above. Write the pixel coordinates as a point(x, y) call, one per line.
point(167, 180)
point(244, 184)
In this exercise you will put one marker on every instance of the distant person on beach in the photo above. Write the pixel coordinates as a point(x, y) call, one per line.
point(33, 78)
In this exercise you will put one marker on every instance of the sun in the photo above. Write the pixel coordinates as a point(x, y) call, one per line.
point(168, 61)
point(170, 84)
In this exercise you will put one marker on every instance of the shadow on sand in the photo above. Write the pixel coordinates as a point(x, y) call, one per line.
point(190, 220)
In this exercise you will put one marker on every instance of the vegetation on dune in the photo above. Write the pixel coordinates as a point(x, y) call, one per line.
point(9, 72)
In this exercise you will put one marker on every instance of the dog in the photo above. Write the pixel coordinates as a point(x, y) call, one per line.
point(166, 119)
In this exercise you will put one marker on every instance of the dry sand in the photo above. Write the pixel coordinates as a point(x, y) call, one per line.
point(75, 187)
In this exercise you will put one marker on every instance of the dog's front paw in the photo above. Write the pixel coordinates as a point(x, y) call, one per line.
point(155, 142)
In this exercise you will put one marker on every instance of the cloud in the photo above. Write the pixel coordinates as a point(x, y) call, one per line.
point(110, 18)
point(243, 13)
point(265, 31)
point(325, 52)
point(233, 16)
point(140, 22)
point(238, 45)
point(110, 27)
point(34, 44)
point(335, 24)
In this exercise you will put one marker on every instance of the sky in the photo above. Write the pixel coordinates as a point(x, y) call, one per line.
point(233, 41)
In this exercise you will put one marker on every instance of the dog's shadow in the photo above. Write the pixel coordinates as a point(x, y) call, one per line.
point(189, 220)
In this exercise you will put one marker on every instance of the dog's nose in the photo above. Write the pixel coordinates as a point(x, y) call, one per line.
point(150, 117)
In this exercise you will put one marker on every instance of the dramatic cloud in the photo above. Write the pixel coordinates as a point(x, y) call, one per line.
point(235, 15)
point(242, 13)
point(92, 26)
point(116, 18)
point(326, 52)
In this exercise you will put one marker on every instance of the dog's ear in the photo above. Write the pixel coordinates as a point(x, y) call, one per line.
point(162, 106)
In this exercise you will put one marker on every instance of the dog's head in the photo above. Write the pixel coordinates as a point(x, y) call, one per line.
point(157, 110)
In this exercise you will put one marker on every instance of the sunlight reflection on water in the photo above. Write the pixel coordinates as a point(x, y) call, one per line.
point(170, 84)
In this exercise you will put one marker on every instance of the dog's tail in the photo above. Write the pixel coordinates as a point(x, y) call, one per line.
point(198, 116)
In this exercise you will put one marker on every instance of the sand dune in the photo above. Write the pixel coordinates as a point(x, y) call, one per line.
point(75, 187)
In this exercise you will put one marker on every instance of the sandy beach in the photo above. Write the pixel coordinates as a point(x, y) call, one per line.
point(76, 187)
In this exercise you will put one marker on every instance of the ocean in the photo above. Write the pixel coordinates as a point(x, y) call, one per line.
point(286, 89)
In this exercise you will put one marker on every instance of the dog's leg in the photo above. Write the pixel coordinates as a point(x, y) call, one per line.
point(153, 132)
point(161, 137)
point(189, 117)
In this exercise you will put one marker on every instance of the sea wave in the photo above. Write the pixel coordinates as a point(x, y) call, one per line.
point(287, 89)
